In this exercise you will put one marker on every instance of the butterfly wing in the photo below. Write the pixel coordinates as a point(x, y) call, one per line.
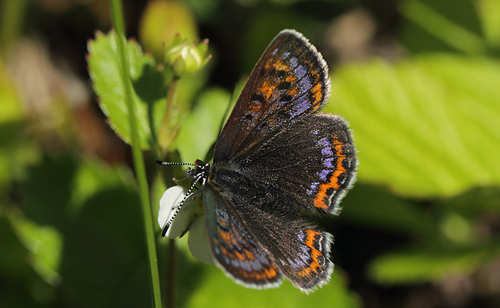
point(289, 82)
point(300, 251)
point(234, 248)
point(256, 247)
point(311, 164)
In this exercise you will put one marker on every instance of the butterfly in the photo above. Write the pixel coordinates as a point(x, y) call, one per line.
point(275, 159)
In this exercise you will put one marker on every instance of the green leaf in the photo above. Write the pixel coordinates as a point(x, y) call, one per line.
point(201, 127)
point(46, 191)
point(93, 176)
point(421, 266)
point(199, 284)
point(220, 291)
point(432, 25)
point(488, 10)
point(424, 127)
point(45, 245)
point(104, 259)
point(25, 287)
point(375, 207)
point(11, 107)
point(148, 82)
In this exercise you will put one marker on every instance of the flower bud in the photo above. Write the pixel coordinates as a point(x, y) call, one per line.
point(185, 58)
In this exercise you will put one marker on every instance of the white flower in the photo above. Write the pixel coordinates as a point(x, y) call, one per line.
point(189, 218)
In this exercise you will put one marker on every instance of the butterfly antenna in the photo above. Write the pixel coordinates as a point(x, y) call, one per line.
point(188, 195)
point(167, 163)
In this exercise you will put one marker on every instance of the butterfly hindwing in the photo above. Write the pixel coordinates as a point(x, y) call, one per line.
point(234, 248)
point(300, 251)
point(289, 82)
point(311, 164)
point(269, 244)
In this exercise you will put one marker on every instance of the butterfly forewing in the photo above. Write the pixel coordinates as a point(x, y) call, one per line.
point(289, 82)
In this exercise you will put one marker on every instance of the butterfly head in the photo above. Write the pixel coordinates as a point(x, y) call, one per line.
point(199, 173)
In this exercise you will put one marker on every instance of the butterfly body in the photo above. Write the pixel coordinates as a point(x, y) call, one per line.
point(275, 159)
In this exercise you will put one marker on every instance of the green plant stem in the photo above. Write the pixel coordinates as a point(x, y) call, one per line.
point(12, 14)
point(172, 251)
point(117, 17)
point(166, 133)
point(439, 26)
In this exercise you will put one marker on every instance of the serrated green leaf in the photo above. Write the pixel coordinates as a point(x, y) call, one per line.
point(149, 88)
point(424, 127)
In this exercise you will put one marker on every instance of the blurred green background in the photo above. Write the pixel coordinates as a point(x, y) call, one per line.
point(418, 80)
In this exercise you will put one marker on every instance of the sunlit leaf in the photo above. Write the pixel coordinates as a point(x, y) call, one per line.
point(11, 107)
point(148, 83)
point(18, 265)
point(424, 127)
point(221, 291)
point(44, 244)
point(93, 176)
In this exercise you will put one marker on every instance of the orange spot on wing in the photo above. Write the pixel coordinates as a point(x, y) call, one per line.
point(293, 92)
point(315, 75)
point(223, 222)
point(240, 256)
point(271, 272)
point(317, 95)
point(225, 236)
point(279, 65)
point(291, 78)
point(265, 274)
point(267, 89)
point(249, 255)
point(319, 201)
point(315, 253)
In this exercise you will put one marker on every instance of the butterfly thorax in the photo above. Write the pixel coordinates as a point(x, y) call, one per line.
point(227, 175)
point(238, 186)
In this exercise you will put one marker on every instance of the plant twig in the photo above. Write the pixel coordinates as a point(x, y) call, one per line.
point(118, 24)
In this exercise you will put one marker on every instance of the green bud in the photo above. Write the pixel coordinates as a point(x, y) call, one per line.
point(185, 58)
